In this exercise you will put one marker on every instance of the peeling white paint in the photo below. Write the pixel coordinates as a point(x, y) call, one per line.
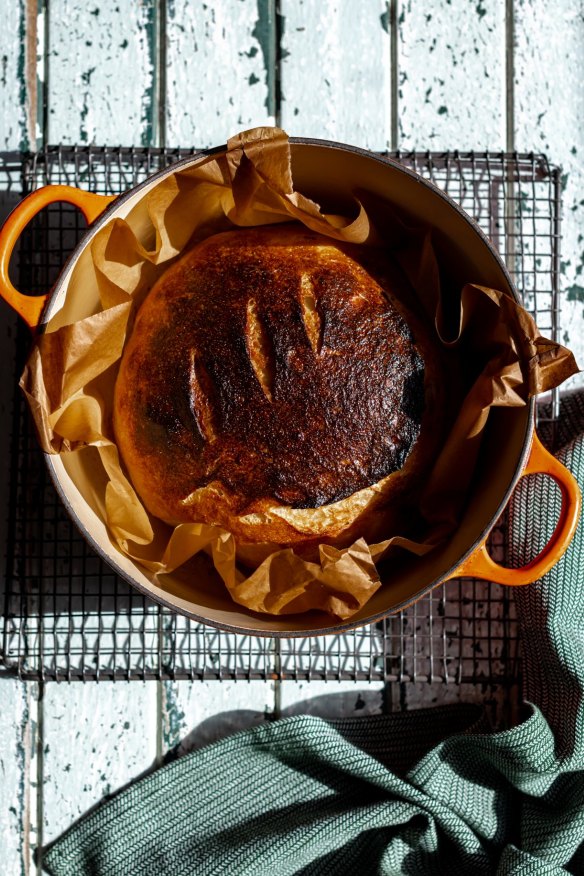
point(41, 30)
point(336, 71)
point(196, 714)
point(216, 76)
point(451, 75)
point(101, 73)
point(331, 699)
point(96, 738)
point(12, 73)
point(549, 114)
point(14, 775)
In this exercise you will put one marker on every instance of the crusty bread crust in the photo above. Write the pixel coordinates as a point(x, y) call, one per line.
point(275, 386)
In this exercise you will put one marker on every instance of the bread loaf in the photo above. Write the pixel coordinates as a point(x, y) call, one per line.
point(275, 386)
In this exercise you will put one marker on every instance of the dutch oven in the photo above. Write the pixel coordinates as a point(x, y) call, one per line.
point(328, 173)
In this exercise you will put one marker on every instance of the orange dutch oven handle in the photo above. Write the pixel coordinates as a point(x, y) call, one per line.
point(30, 307)
point(481, 565)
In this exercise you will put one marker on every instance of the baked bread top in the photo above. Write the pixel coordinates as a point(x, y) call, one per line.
point(271, 385)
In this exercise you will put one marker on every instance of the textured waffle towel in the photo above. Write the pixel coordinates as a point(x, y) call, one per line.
point(303, 796)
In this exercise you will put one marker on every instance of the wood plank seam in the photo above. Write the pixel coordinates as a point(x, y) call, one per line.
point(39, 758)
point(394, 73)
point(277, 54)
point(160, 71)
point(510, 74)
point(40, 121)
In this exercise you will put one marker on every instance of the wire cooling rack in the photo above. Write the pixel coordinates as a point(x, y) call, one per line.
point(66, 616)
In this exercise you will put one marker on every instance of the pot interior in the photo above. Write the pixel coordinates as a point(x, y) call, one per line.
point(330, 175)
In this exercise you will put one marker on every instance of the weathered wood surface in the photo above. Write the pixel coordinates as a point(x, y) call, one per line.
point(451, 75)
point(16, 112)
point(335, 73)
point(192, 716)
point(548, 117)
point(466, 75)
point(94, 739)
point(333, 699)
point(220, 73)
point(101, 72)
point(17, 740)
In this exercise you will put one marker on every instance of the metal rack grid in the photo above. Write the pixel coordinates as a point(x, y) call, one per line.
point(66, 616)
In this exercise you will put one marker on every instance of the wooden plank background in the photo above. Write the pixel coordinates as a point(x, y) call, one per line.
point(454, 74)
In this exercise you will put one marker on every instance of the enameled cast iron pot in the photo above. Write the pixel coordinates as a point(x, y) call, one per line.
point(328, 172)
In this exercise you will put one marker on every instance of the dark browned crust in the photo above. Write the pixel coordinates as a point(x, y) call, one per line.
point(336, 408)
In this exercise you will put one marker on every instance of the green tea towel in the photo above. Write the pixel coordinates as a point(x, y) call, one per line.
point(367, 796)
